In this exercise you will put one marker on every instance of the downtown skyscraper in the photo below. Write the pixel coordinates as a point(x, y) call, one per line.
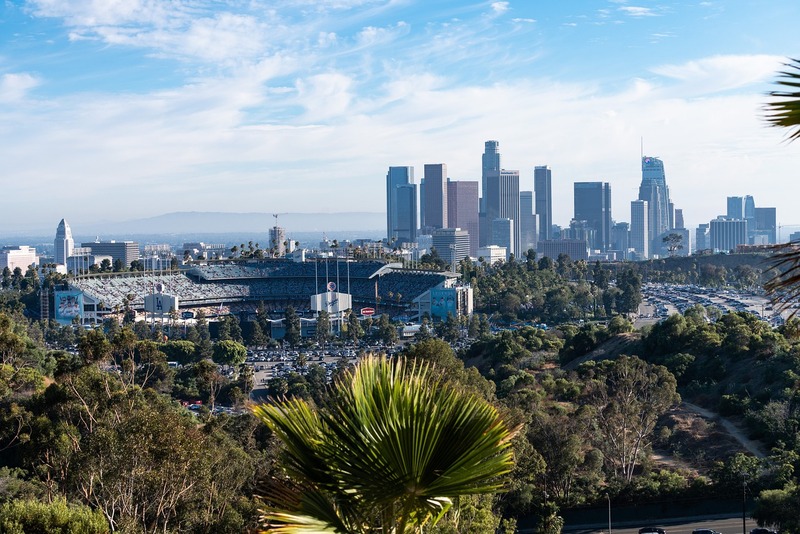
point(640, 235)
point(401, 205)
point(543, 191)
point(490, 163)
point(462, 210)
point(502, 202)
point(655, 192)
point(433, 197)
point(593, 204)
point(527, 222)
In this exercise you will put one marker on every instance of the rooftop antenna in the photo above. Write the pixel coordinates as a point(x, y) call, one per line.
point(641, 149)
point(276, 217)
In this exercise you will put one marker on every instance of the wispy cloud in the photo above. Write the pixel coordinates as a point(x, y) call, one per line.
point(638, 11)
point(721, 73)
point(305, 103)
point(15, 86)
point(500, 7)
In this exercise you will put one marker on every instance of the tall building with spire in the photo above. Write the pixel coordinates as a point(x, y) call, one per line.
point(655, 192)
point(64, 244)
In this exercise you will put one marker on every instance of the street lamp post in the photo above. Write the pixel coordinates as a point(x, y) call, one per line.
point(609, 512)
point(744, 503)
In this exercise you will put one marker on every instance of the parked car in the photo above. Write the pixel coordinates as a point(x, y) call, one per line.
point(652, 530)
point(705, 531)
point(762, 530)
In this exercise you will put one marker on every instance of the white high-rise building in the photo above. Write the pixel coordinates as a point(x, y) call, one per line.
point(64, 244)
point(277, 241)
point(725, 233)
point(17, 256)
point(654, 190)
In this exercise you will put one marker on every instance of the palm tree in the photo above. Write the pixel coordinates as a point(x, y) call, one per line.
point(388, 452)
point(784, 112)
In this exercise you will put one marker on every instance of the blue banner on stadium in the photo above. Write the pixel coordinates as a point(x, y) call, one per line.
point(68, 306)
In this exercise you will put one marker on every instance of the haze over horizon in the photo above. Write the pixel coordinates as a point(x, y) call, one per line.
point(115, 111)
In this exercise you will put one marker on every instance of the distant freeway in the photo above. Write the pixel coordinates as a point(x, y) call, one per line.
point(731, 525)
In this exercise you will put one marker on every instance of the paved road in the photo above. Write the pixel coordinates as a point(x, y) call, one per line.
point(730, 525)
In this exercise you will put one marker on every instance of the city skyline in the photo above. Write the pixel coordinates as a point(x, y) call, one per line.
point(116, 111)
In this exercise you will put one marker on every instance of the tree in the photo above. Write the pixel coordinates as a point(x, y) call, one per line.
point(449, 329)
point(229, 352)
point(291, 323)
point(630, 285)
point(387, 332)
point(323, 326)
point(779, 508)
point(209, 380)
point(94, 347)
point(354, 329)
point(257, 337)
point(628, 398)
point(21, 516)
point(673, 242)
point(357, 465)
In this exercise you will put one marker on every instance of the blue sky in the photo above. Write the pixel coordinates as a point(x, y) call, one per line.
point(119, 109)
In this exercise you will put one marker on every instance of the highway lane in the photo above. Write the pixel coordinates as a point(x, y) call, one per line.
point(730, 525)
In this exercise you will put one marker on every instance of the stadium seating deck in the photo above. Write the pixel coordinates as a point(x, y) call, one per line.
point(269, 281)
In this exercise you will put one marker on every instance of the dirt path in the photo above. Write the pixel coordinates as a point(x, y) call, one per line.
point(752, 447)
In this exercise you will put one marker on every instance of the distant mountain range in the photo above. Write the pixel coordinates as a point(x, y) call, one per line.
point(199, 222)
point(183, 222)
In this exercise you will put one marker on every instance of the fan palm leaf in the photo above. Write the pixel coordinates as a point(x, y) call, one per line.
point(784, 287)
point(785, 111)
point(394, 446)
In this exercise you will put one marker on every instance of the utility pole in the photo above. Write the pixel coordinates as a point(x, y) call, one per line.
point(744, 502)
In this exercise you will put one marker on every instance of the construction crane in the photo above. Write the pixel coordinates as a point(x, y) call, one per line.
point(276, 217)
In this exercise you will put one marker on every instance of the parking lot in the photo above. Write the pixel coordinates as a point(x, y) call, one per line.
point(275, 363)
point(662, 300)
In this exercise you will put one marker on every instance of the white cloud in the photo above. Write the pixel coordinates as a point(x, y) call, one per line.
point(522, 20)
point(303, 122)
point(721, 73)
point(203, 146)
point(638, 11)
point(325, 96)
point(14, 87)
point(326, 39)
point(500, 7)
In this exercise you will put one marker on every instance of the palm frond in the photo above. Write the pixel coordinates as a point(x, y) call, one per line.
point(784, 287)
point(785, 112)
point(394, 442)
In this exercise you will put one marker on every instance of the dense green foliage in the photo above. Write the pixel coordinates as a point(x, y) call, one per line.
point(93, 418)
point(551, 292)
